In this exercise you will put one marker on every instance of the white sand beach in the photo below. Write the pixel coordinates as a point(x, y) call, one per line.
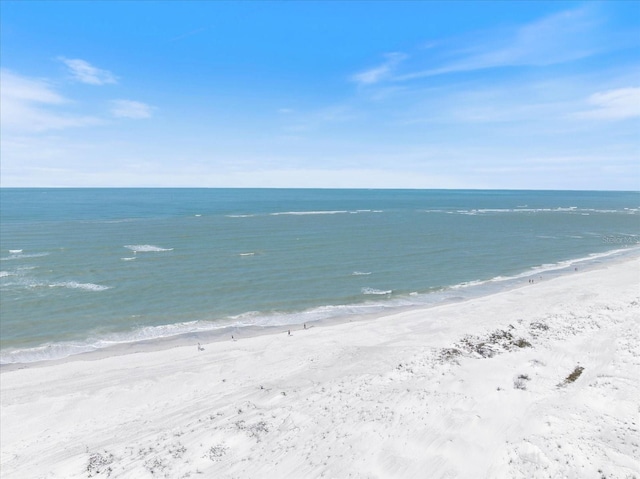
point(542, 381)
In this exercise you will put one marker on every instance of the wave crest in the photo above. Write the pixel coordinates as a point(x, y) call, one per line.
point(146, 248)
point(83, 286)
point(376, 291)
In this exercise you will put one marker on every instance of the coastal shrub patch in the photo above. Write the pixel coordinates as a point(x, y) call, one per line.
point(575, 374)
point(100, 463)
point(486, 347)
point(477, 346)
point(449, 355)
point(522, 343)
point(404, 367)
point(538, 327)
point(258, 429)
point(156, 464)
point(216, 452)
point(177, 450)
point(254, 430)
point(499, 337)
point(521, 381)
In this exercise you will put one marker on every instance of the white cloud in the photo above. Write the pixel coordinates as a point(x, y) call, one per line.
point(27, 89)
point(130, 109)
point(84, 72)
point(31, 105)
point(559, 38)
point(618, 104)
point(381, 72)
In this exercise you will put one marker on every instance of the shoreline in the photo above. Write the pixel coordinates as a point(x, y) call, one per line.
point(534, 381)
point(221, 334)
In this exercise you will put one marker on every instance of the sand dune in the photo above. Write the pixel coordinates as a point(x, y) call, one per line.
point(540, 381)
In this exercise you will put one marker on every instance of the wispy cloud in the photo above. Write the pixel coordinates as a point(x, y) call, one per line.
point(189, 34)
point(84, 72)
point(562, 37)
point(618, 104)
point(17, 87)
point(558, 38)
point(31, 105)
point(130, 109)
point(381, 72)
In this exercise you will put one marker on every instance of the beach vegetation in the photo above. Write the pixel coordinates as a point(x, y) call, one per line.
point(216, 452)
point(486, 347)
point(100, 463)
point(156, 465)
point(254, 430)
point(521, 381)
point(177, 450)
point(575, 374)
point(538, 327)
point(522, 343)
point(450, 355)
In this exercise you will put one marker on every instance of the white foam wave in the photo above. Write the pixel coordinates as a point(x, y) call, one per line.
point(300, 213)
point(544, 268)
point(246, 254)
point(17, 256)
point(305, 213)
point(4, 274)
point(361, 273)
point(128, 258)
point(52, 351)
point(61, 350)
point(15, 251)
point(570, 209)
point(45, 352)
point(147, 248)
point(83, 286)
point(374, 291)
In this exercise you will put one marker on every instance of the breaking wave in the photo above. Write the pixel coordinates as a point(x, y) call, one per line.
point(146, 248)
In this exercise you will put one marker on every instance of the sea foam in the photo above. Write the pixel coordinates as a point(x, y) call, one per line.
point(374, 291)
point(147, 248)
point(20, 255)
point(82, 286)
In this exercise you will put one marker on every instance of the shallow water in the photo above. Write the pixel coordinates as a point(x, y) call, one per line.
point(87, 268)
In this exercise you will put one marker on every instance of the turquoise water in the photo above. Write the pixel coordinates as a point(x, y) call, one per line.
point(82, 269)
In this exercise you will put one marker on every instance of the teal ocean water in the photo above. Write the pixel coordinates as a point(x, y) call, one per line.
point(83, 269)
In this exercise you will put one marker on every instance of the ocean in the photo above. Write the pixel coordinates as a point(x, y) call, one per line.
point(86, 269)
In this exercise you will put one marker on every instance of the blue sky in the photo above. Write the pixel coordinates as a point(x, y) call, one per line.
point(535, 95)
